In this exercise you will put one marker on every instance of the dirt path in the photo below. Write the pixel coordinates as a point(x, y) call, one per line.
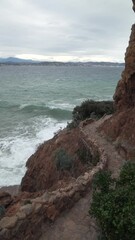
point(76, 223)
point(91, 134)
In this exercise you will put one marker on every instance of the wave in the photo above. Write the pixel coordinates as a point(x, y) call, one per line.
point(52, 112)
point(21, 144)
point(59, 112)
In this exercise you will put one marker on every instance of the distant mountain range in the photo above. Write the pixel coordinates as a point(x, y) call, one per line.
point(15, 60)
point(18, 61)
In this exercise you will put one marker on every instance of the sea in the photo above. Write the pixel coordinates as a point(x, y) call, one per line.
point(37, 101)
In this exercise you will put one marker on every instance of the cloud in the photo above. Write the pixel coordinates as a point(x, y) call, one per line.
point(73, 29)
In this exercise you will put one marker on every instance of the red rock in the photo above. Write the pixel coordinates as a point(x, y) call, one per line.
point(42, 172)
point(52, 212)
point(120, 128)
point(125, 92)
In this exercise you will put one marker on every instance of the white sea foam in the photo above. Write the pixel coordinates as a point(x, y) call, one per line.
point(61, 105)
point(15, 150)
point(22, 106)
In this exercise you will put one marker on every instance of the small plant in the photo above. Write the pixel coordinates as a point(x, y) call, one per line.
point(86, 157)
point(95, 158)
point(2, 211)
point(71, 125)
point(113, 203)
point(63, 160)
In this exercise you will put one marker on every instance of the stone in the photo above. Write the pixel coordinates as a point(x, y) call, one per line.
point(86, 176)
point(37, 207)
point(8, 222)
point(5, 234)
point(71, 193)
point(27, 209)
point(21, 215)
point(52, 212)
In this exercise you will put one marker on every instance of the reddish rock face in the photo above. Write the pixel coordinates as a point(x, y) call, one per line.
point(121, 127)
point(124, 96)
point(42, 172)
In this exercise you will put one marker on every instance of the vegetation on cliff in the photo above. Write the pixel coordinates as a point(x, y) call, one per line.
point(113, 203)
point(91, 109)
point(63, 160)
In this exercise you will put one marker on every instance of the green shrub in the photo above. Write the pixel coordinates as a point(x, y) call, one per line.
point(102, 181)
point(95, 158)
point(113, 204)
point(63, 160)
point(127, 175)
point(2, 211)
point(86, 157)
point(71, 125)
point(90, 109)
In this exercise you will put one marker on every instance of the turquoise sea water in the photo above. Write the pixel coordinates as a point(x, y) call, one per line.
point(35, 101)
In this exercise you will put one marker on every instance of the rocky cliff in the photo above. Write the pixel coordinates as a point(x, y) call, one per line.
point(124, 96)
point(120, 128)
point(55, 163)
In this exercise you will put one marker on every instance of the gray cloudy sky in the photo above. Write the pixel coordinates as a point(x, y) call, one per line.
point(65, 29)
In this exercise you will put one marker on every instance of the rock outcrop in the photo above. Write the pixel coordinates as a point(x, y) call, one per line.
point(120, 128)
point(42, 170)
point(124, 96)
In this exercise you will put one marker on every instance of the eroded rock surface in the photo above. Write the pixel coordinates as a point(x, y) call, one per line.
point(42, 172)
point(125, 92)
point(120, 128)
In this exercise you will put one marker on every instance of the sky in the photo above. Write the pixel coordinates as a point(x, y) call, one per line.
point(65, 30)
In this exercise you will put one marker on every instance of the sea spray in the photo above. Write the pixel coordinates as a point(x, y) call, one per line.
point(16, 149)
